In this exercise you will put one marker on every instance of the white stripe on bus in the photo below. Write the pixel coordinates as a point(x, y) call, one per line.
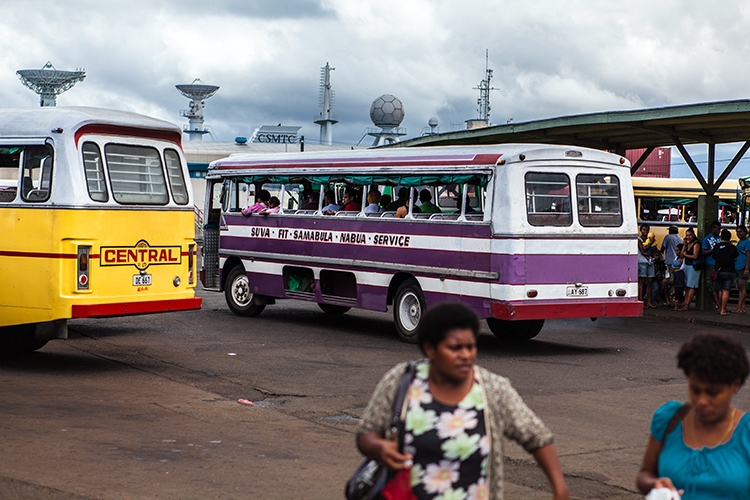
point(506, 246)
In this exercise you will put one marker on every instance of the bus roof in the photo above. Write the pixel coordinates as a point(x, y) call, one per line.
point(41, 121)
point(445, 156)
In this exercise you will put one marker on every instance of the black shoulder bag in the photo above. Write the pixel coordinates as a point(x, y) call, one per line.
point(372, 475)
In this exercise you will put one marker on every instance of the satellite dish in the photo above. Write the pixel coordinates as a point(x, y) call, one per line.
point(197, 92)
point(49, 82)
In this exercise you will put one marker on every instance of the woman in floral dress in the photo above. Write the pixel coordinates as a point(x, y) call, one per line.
point(456, 416)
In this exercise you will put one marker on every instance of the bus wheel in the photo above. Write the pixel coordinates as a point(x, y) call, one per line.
point(238, 294)
point(333, 309)
point(21, 339)
point(408, 307)
point(515, 331)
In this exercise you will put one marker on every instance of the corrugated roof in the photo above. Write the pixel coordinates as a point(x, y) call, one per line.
point(711, 122)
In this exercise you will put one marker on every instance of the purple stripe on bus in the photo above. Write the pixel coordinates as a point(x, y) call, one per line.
point(561, 269)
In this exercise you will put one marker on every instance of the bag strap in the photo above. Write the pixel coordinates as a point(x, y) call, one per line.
point(399, 405)
point(676, 419)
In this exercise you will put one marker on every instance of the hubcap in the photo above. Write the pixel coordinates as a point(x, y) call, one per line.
point(410, 311)
point(241, 291)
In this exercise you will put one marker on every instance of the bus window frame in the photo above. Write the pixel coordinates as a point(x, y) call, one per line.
point(529, 219)
point(161, 169)
point(105, 177)
point(180, 174)
point(37, 193)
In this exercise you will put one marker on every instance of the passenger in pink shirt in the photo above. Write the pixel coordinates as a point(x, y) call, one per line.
point(261, 203)
point(274, 205)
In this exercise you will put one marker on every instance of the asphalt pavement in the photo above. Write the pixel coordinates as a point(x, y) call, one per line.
point(733, 321)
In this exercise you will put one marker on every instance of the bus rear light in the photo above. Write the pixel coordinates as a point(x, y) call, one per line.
point(83, 267)
point(191, 264)
point(531, 294)
point(621, 292)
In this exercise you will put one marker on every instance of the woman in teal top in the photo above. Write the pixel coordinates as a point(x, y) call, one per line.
point(706, 454)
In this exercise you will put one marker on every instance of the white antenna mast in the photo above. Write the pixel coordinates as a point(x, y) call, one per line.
point(327, 96)
point(484, 91)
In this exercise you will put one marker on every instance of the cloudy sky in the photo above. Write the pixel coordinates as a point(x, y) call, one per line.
point(550, 57)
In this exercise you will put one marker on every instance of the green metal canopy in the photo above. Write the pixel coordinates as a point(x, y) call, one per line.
point(708, 123)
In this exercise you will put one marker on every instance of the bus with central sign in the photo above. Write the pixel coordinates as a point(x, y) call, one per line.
point(520, 233)
point(97, 215)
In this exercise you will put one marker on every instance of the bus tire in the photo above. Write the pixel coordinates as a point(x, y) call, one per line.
point(408, 308)
point(238, 295)
point(515, 331)
point(333, 309)
point(19, 340)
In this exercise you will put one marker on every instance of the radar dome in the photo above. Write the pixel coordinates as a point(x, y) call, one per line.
point(433, 122)
point(387, 111)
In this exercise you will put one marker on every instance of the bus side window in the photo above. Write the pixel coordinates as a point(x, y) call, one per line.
point(10, 158)
point(36, 177)
point(94, 169)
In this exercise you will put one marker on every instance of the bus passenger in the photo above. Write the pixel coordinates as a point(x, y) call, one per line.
point(401, 200)
point(741, 266)
point(645, 268)
point(459, 201)
point(373, 202)
point(385, 200)
point(329, 205)
point(312, 199)
point(274, 205)
point(350, 201)
point(426, 206)
point(691, 251)
point(261, 203)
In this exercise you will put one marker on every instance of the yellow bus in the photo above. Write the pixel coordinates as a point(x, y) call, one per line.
point(96, 210)
point(664, 202)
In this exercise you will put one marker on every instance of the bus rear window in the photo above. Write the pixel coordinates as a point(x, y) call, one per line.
point(598, 200)
point(548, 199)
point(176, 179)
point(136, 175)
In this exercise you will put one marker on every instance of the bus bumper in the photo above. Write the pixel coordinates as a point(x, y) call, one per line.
point(540, 310)
point(133, 308)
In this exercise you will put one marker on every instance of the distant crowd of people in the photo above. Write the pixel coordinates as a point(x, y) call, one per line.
point(670, 274)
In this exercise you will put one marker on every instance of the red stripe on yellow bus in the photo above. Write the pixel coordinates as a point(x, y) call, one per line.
point(132, 308)
point(42, 255)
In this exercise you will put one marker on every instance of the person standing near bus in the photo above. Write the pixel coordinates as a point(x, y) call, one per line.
point(741, 266)
point(669, 244)
point(645, 268)
point(691, 251)
point(725, 254)
point(709, 242)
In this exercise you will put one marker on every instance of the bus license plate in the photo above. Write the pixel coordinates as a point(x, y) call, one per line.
point(141, 279)
point(578, 291)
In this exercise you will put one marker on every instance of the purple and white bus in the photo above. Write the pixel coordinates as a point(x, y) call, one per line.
point(521, 233)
